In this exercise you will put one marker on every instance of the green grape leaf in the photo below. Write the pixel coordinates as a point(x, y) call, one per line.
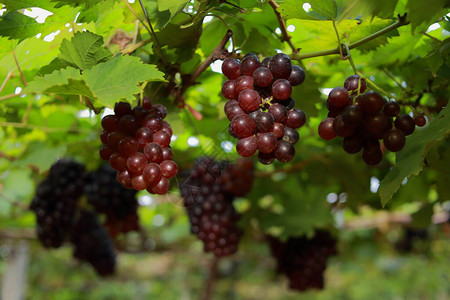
point(319, 10)
point(420, 11)
point(40, 156)
point(15, 25)
point(118, 78)
point(173, 6)
point(65, 81)
point(410, 160)
point(19, 4)
point(84, 50)
point(56, 64)
point(78, 3)
point(356, 9)
point(17, 186)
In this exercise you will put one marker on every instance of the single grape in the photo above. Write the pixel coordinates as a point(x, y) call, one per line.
point(161, 188)
point(146, 103)
point(281, 89)
point(341, 129)
point(391, 109)
point(371, 102)
point(136, 163)
point(284, 151)
point(128, 124)
point(266, 142)
point(297, 75)
point(262, 77)
point(169, 168)
point(231, 68)
point(266, 62)
point(104, 137)
point(114, 138)
point(264, 121)
point(372, 158)
point(122, 109)
point(420, 120)
point(229, 89)
point(143, 136)
point(110, 123)
point(152, 173)
point(139, 183)
point(167, 153)
point(139, 113)
point(278, 112)
point(288, 103)
point(232, 109)
point(352, 82)
point(117, 162)
point(378, 124)
point(249, 100)
point(290, 135)
point(266, 158)
point(296, 118)
point(249, 64)
point(278, 130)
point(280, 65)
point(124, 178)
point(242, 83)
point(338, 97)
point(326, 130)
point(127, 146)
point(167, 128)
point(106, 152)
point(352, 116)
point(152, 123)
point(352, 144)
point(405, 123)
point(247, 146)
point(243, 126)
point(162, 110)
point(394, 140)
point(153, 152)
point(161, 137)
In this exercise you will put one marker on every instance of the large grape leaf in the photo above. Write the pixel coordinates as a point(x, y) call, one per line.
point(366, 9)
point(15, 25)
point(19, 4)
point(420, 11)
point(118, 78)
point(84, 50)
point(320, 9)
point(410, 160)
point(41, 156)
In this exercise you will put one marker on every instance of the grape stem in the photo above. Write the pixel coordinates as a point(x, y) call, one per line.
point(402, 21)
point(211, 278)
point(8, 76)
point(19, 69)
point(218, 53)
point(376, 87)
point(286, 36)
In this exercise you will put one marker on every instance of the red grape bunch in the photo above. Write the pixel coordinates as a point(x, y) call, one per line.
point(136, 144)
point(303, 260)
point(208, 200)
point(260, 107)
point(363, 118)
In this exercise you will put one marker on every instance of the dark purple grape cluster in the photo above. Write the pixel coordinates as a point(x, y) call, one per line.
point(303, 260)
point(208, 200)
point(363, 118)
point(56, 201)
point(109, 197)
point(136, 144)
point(260, 107)
point(92, 244)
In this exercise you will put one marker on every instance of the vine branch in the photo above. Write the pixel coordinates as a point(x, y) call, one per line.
point(286, 35)
point(402, 21)
point(19, 69)
point(211, 278)
point(8, 76)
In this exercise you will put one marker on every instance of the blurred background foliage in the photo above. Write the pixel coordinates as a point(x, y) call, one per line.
point(322, 187)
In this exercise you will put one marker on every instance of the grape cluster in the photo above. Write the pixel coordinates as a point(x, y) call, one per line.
point(208, 199)
point(92, 244)
point(260, 107)
point(56, 200)
point(303, 260)
point(109, 197)
point(362, 118)
point(136, 144)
